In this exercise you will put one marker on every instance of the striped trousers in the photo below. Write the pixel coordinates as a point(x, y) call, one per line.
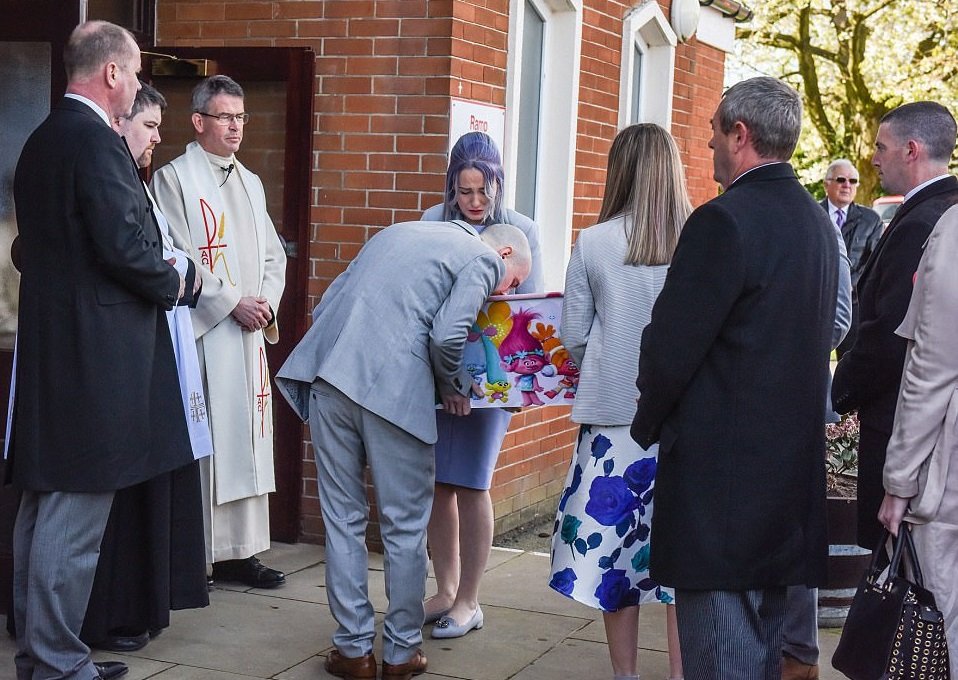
point(731, 634)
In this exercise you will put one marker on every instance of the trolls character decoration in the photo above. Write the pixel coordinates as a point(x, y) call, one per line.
point(515, 354)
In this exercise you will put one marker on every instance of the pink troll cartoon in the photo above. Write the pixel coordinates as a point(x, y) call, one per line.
point(523, 354)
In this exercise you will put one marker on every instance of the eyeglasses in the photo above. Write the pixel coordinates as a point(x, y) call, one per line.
point(238, 118)
point(841, 180)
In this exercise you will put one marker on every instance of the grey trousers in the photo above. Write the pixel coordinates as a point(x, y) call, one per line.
point(346, 437)
point(56, 545)
point(732, 635)
point(800, 632)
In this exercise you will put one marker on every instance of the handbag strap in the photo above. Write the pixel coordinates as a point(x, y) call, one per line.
point(902, 544)
point(905, 530)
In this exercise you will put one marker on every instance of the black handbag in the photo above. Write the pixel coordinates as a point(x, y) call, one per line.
point(894, 629)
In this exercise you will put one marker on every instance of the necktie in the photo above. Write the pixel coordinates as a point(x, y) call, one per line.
point(839, 218)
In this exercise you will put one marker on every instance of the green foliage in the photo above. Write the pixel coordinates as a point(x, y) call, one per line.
point(853, 61)
point(841, 444)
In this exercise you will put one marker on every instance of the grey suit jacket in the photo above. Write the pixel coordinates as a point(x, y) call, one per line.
point(390, 330)
point(924, 440)
point(534, 283)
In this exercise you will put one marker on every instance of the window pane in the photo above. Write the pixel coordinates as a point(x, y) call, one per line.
point(25, 72)
point(533, 34)
point(134, 15)
point(636, 84)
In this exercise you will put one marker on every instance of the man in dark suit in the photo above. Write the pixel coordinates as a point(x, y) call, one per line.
point(97, 403)
point(861, 228)
point(912, 150)
point(733, 377)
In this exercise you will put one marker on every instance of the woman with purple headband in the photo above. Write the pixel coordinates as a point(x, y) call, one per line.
point(460, 529)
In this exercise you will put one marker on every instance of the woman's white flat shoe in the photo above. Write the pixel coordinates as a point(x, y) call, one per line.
point(432, 618)
point(448, 628)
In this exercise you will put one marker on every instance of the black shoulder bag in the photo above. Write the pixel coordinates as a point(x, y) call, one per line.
point(894, 629)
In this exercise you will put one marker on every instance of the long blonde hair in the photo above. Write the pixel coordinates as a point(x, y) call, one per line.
point(645, 182)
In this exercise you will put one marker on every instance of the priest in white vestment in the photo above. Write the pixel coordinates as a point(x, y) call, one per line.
point(217, 211)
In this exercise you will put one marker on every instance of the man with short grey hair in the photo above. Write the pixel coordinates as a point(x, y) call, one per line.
point(861, 228)
point(97, 403)
point(217, 213)
point(912, 151)
point(732, 379)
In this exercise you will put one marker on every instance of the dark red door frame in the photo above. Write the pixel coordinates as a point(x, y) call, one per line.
point(296, 66)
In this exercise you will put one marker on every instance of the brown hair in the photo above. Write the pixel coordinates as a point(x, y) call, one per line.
point(645, 182)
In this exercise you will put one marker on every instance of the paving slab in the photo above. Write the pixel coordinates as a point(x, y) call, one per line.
point(243, 634)
point(531, 632)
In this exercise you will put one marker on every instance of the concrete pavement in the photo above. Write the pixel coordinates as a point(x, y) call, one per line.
point(531, 633)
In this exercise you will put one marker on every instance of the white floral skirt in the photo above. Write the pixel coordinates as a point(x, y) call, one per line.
point(600, 542)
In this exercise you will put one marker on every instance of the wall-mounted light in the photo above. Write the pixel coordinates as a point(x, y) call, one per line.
point(685, 18)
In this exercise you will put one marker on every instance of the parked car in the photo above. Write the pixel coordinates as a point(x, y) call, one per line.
point(886, 207)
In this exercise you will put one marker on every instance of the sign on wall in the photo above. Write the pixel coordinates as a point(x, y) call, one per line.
point(466, 116)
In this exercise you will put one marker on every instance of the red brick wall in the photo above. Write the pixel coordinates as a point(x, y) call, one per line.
point(386, 70)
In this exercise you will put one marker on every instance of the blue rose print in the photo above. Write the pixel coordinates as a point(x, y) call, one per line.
point(563, 581)
point(610, 501)
point(570, 528)
point(613, 590)
point(640, 560)
point(604, 518)
point(600, 446)
point(572, 488)
point(640, 475)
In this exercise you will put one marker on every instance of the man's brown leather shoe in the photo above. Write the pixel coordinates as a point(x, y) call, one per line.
point(358, 668)
point(793, 669)
point(403, 671)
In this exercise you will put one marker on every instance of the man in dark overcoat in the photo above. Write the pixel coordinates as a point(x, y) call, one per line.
point(912, 151)
point(97, 403)
point(732, 377)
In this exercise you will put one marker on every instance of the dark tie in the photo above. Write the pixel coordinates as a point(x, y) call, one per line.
point(839, 218)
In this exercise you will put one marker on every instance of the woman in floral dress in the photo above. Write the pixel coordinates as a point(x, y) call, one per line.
point(600, 544)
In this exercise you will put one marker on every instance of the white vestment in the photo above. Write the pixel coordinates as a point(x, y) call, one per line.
point(228, 232)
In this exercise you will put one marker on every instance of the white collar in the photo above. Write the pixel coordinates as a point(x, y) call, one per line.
point(92, 104)
point(832, 208)
point(922, 186)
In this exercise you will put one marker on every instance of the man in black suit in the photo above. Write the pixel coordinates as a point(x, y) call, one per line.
point(861, 228)
point(97, 401)
point(912, 151)
point(732, 376)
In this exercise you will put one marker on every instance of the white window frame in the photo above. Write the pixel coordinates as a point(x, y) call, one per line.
point(558, 120)
point(647, 29)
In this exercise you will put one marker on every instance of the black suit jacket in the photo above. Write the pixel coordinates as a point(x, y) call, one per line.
point(861, 231)
point(868, 376)
point(732, 376)
point(98, 403)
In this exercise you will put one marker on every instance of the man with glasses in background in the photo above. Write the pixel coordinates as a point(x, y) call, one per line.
point(861, 228)
point(217, 214)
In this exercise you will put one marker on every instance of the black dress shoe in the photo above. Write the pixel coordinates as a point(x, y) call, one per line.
point(250, 571)
point(110, 669)
point(122, 643)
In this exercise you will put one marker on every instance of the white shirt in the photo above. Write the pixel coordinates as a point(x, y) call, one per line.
point(833, 212)
point(922, 186)
point(92, 104)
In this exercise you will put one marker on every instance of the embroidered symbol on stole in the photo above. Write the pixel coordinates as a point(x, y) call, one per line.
point(262, 397)
point(197, 407)
point(213, 253)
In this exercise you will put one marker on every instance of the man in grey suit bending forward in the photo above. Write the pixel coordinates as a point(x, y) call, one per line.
point(388, 335)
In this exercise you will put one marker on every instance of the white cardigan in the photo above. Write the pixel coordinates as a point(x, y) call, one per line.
point(607, 304)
